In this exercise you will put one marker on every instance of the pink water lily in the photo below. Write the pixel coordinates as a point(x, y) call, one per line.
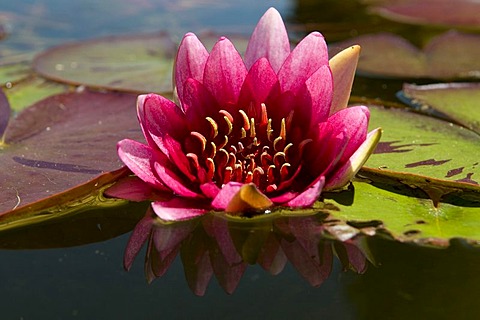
point(272, 129)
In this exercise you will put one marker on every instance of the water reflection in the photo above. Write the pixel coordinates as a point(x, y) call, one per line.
point(215, 245)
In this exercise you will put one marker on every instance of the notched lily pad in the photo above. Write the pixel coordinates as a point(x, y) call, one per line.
point(456, 101)
point(458, 13)
point(416, 144)
point(393, 209)
point(140, 63)
point(62, 142)
point(452, 55)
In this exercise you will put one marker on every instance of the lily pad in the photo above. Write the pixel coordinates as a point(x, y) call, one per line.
point(62, 142)
point(452, 55)
point(403, 215)
point(457, 101)
point(458, 13)
point(140, 63)
point(12, 73)
point(29, 91)
point(417, 144)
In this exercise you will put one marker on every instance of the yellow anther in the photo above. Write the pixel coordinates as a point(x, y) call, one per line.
point(246, 123)
point(214, 126)
point(252, 127)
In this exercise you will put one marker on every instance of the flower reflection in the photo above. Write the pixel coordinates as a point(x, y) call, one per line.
point(224, 247)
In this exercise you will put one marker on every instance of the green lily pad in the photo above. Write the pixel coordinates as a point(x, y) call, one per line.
point(140, 63)
point(29, 91)
point(456, 101)
point(13, 73)
point(417, 144)
point(399, 211)
point(62, 142)
point(458, 13)
point(452, 55)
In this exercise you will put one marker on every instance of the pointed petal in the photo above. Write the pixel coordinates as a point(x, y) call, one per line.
point(139, 158)
point(269, 40)
point(224, 74)
point(227, 192)
point(173, 181)
point(210, 189)
point(308, 197)
point(190, 63)
point(135, 189)
point(258, 85)
point(343, 66)
point(199, 104)
point(160, 116)
point(177, 156)
point(356, 161)
point(178, 209)
point(309, 55)
point(354, 122)
point(316, 94)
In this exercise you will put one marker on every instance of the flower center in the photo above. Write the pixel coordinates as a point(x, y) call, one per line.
point(244, 150)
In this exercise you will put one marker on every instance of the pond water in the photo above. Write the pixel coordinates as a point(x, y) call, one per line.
point(71, 269)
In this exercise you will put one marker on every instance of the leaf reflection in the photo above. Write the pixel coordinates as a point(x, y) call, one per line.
point(220, 246)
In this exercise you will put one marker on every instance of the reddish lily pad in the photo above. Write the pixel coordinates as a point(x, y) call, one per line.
point(452, 55)
point(140, 63)
point(457, 101)
point(417, 144)
point(458, 13)
point(62, 142)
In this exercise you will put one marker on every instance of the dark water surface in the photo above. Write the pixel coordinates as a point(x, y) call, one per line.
point(89, 281)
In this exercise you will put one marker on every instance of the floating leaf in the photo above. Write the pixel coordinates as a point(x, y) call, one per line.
point(13, 73)
point(458, 13)
point(452, 55)
point(141, 63)
point(404, 214)
point(26, 93)
point(457, 101)
point(61, 142)
point(417, 144)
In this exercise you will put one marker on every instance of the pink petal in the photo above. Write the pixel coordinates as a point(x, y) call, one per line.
point(210, 189)
point(354, 122)
point(178, 209)
point(317, 93)
point(348, 170)
point(139, 158)
point(177, 156)
point(238, 197)
point(160, 116)
point(343, 67)
point(269, 40)
point(199, 104)
point(173, 181)
point(138, 237)
point(135, 189)
point(259, 83)
point(224, 74)
point(190, 63)
point(307, 57)
point(227, 192)
point(308, 197)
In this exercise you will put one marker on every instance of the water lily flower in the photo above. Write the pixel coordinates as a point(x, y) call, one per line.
point(271, 129)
